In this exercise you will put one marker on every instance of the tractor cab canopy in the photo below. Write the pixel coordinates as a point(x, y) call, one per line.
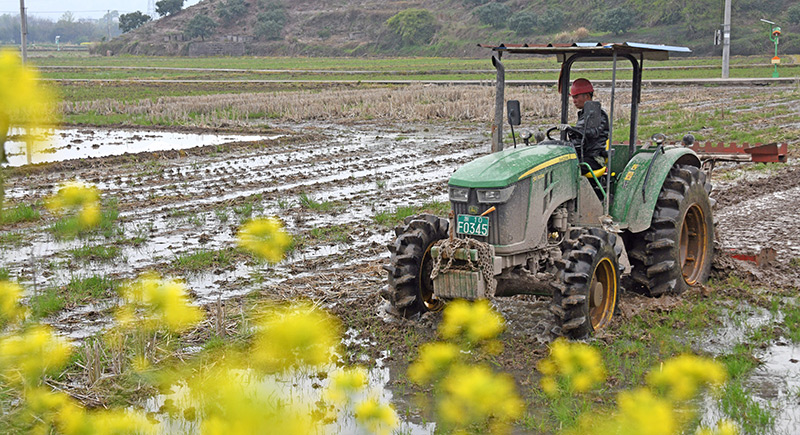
point(568, 54)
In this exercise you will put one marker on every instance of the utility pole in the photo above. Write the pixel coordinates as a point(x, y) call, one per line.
point(726, 40)
point(108, 25)
point(23, 30)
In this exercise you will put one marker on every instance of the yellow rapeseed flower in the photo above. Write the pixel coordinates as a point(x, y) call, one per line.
point(376, 417)
point(10, 309)
point(577, 366)
point(234, 401)
point(76, 196)
point(474, 321)
point(166, 302)
point(296, 335)
point(345, 383)
point(27, 356)
point(25, 102)
point(474, 394)
point(682, 377)
point(724, 427)
point(265, 238)
point(434, 360)
point(642, 413)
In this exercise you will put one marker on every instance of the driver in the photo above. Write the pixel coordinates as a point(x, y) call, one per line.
point(594, 144)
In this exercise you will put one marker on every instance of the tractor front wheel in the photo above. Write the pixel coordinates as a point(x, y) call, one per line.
point(410, 289)
point(586, 288)
point(677, 250)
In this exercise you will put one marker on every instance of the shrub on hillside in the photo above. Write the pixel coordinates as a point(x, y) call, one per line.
point(524, 23)
point(229, 11)
point(413, 26)
point(793, 14)
point(270, 22)
point(617, 20)
point(493, 14)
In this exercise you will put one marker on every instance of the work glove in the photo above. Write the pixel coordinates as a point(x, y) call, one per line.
point(563, 127)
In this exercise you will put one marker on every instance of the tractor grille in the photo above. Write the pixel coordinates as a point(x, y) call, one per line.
point(501, 231)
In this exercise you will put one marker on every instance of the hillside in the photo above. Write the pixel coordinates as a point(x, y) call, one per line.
point(448, 27)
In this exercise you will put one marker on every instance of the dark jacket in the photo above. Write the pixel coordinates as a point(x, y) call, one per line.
point(595, 143)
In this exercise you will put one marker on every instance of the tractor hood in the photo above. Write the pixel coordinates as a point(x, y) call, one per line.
point(506, 167)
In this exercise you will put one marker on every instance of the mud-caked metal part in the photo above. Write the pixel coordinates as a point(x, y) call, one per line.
point(409, 292)
point(677, 250)
point(586, 288)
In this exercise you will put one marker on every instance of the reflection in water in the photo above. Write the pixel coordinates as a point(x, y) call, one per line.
point(74, 143)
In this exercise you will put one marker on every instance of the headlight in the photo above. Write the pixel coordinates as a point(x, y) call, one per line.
point(495, 196)
point(459, 194)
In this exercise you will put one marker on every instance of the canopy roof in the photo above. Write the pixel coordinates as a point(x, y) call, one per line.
point(593, 49)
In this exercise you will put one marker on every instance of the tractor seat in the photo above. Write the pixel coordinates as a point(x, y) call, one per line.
point(596, 173)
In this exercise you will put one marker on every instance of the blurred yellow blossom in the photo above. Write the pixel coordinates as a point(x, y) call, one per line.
point(576, 366)
point(77, 196)
point(265, 238)
point(27, 356)
point(235, 401)
point(474, 394)
point(474, 321)
point(345, 383)
point(376, 417)
point(682, 377)
point(434, 360)
point(165, 302)
point(57, 410)
point(724, 427)
point(642, 413)
point(298, 334)
point(10, 308)
point(26, 103)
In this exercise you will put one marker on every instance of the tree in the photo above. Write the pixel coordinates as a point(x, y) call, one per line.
point(168, 7)
point(413, 26)
point(200, 25)
point(231, 10)
point(617, 20)
point(493, 14)
point(133, 20)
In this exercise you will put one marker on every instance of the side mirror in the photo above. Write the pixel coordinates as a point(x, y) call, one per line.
point(591, 114)
point(514, 115)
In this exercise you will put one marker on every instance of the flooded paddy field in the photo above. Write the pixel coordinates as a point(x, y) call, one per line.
point(335, 186)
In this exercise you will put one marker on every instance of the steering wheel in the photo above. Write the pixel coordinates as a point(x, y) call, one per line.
point(570, 131)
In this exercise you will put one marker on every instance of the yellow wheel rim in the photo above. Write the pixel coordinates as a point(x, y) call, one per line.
point(602, 294)
point(426, 283)
point(693, 244)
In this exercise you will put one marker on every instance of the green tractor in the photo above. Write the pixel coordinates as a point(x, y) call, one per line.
point(534, 220)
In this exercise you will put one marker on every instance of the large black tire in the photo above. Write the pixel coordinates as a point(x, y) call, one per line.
point(410, 289)
point(677, 250)
point(586, 288)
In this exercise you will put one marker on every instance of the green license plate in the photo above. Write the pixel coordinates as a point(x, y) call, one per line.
point(472, 225)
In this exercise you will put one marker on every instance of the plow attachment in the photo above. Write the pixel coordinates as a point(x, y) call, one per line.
point(768, 153)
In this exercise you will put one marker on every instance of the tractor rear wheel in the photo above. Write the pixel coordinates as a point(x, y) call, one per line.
point(410, 289)
point(677, 250)
point(586, 288)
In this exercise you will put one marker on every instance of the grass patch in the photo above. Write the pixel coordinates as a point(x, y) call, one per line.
point(334, 233)
point(206, 259)
point(11, 239)
point(5, 274)
point(392, 218)
point(48, 302)
point(88, 253)
point(69, 227)
point(312, 204)
point(19, 213)
point(79, 290)
point(737, 403)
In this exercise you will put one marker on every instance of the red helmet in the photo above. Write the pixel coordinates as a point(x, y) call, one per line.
point(580, 86)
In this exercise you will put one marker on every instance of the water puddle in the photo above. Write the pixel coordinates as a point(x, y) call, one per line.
point(298, 390)
point(75, 143)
